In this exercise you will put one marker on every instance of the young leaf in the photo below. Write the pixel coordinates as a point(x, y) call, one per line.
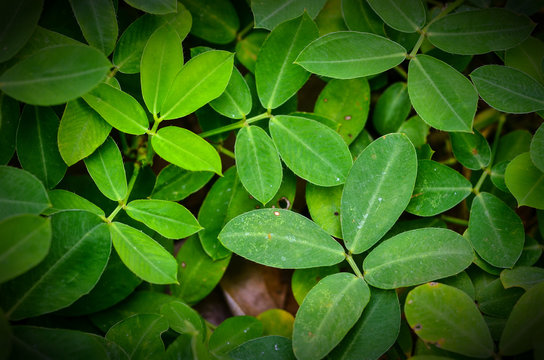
point(525, 181)
point(21, 193)
point(63, 200)
point(37, 148)
point(258, 163)
point(438, 188)
point(233, 332)
point(417, 256)
point(350, 54)
point(201, 80)
point(280, 238)
point(76, 260)
point(185, 149)
point(214, 21)
point(392, 109)
point(377, 190)
point(329, 310)
point(168, 218)
point(118, 108)
point(276, 76)
point(472, 150)
point(25, 244)
point(105, 166)
point(266, 347)
point(312, 150)
point(479, 31)
point(537, 148)
point(9, 121)
point(359, 16)
point(405, 16)
point(98, 23)
point(235, 102)
point(441, 95)
point(324, 205)
point(270, 14)
point(18, 21)
point(303, 280)
point(143, 255)
point(495, 231)
point(159, 7)
point(81, 131)
point(163, 51)
point(447, 316)
point(175, 184)
point(55, 75)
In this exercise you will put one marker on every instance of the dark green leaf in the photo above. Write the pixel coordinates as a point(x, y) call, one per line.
point(324, 204)
point(512, 144)
point(359, 16)
point(392, 109)
point(497, 175)
point(18, 21)
point(461, 281)
point(537, 148)
point(406, 16)
point(267, 347)
point(9, 121)
point(472, 150)
point(248, 48)
point(527, 57)
point(233, 332)
point(159, 7)
point(214, 21)
point(531, 252)
point(269, 14)
point(495, 300)
point(98, 23)
point(524, 276)
point(235, 102)
point(175, 184)
point(525, 181)
point(183, 319)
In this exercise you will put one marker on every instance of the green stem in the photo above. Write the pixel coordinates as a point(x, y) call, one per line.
point(401, 72)
point(417, 45)
point(487, 170)
point(454, 220)
point(227, 152)
point(351, 263)
point(476, 189)
point(110, 218)
point(123, 202)
point(234, 126)
point(244, 31)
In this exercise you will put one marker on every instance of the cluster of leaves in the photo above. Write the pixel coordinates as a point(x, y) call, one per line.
point(376, 199)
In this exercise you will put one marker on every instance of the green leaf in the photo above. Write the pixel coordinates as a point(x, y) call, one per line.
point(497, 175)
point(81, 131)
point(508, 89)
point(461, 281)
point(416, 130)
point(524, 326)
point(6, 336)
point(21, 193)
point(303, 280)
point(248, 48)
point(479, 31)
point(324, 204)
point(329, 310)
point(9, 121)
point(512, 144)
point(270, 14)
point(214, 21)
point(63, 200)
point(441, 95)
point(438, 188)
point(372, 204)
point(26, 243)
point(417, 256)
point(175, 184)
point(276, 76)
point(105, 166)
point(235, 102)
point(183, 319)
point(98, 23)
point(201, 80)
point(159, 7)
point(312, 150)
point(233, 332)
point(524, 277)
point(471, 150)
point(258, 163)
point(277, 322)
point(140, 335)
point(537, 148)
point(280, 238)
point(495, 300)
point(118, 108)
point(198, 274)
point(359, 16)
point(392, 109)
point(55, 75)
point(448, 317)
point(168, 218)
point(143, 255)
point(525, 181)
point(405, 16)
point(37, 148)
point(185, 149)
point(346, 103)
point(531, 252)
point(495, 231)
point(18, 21)
point(527, 57)
point(350, 54)
point(375, 332)
point(76, 260)
point(266, 347)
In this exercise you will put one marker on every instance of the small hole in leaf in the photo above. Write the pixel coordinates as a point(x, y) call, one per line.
point(284, 203)
point(257, 207)
point(433, 283)
point(336, 213)
point(417, 327)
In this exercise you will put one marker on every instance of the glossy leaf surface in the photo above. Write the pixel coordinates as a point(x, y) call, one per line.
point(525, 181)
point(401, 15)
point(174, 183)
point(270, 14)
point(18, 23)
point(98, 22)
point(472, 150)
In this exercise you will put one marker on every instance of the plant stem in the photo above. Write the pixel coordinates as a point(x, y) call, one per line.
point(244, 31)
point(487, 170)
point(351, 263)
point(454, 220)
point(417, 45)
point(123, 202)
point(234, 126)
point(225, 151)
point(401, 72)
point(110, 218)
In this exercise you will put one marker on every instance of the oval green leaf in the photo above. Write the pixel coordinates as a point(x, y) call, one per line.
point(416, 130)
point(537, 148)
point(183, 319)
point(524, 276)
point(159, 7)
point(98, 23)
point(235, 102)
point(402, 15)
point(233, 332)
point(525, 181)
point(471, 150)
point(18, 21)
point(266, 347)
point(359, 16)
point(392, 109)
point(303, 280)
point(269, 14)
point(175, 184)
point(215, 21)
point(324, 204)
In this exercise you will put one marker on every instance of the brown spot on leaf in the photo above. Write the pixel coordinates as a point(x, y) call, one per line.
point(433, 283)
point(416, 195)
point(325, 99)
point(269, 236)
point(183, 265)
point(474, 151)
point(336, 213)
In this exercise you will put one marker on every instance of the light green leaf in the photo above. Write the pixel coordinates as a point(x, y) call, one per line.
point(258, 163)
point(9, 121)
point(524, 277)
point(118, 108)
point(143, 255)
point(280, 238)
point(18, 21)
point(402, 15)
point(416, 130)
point(372, 204)
point(448, 317)
point(233, 332)
point(479, 31)
point(312, 150)
point(329, 310)
point(37, 148)
point(183, 319)
point(55, 75)
point(270, 14)
point(185, 149)
point(21, 193)
point(537, 148)
point(26, 240)
point(214, 21)
point(63, 200)
point(472, 150)
point(74, 264)
point(235, 102)
point(324, 204)
point(525, 181)
point(527, 57)
point(105, 166)
point(168, 218)
point(159, 7)
point(276, 76)
point(98, 23)
point(175, 184)
point(441, 95)
point(438, 188)
point(392, 109)
point(81, 131)
point(495, 231)
point(350, 54)
point(248, 48)
point(359, 16)
point(303, 280)
point(266, 347)
point(417, 256)
point(508, 89)
point(201, 80)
